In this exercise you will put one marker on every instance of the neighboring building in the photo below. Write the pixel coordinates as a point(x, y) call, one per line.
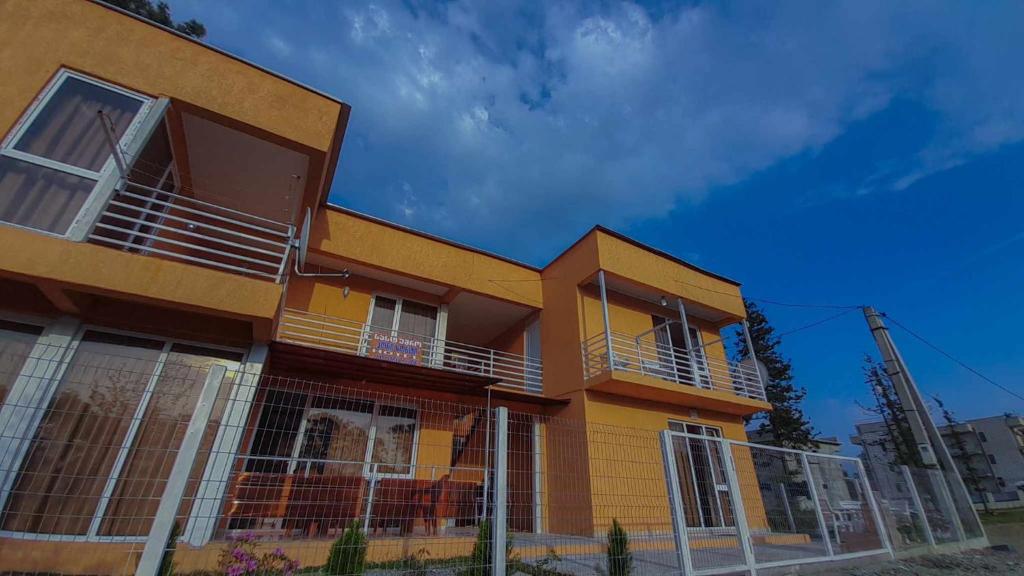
point(993, 447)
point(188, 262)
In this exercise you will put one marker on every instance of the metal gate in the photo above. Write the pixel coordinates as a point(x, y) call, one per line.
point(740, 507)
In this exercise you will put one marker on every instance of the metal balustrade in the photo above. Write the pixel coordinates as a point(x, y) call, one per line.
point(152, 221)
point(647, 354)
point(359, 338)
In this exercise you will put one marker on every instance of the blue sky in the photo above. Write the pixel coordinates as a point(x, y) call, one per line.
point(836, 153)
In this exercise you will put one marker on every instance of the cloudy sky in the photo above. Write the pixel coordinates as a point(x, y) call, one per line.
point(825, 153)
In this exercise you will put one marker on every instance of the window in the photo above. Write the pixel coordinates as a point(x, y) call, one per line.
point(16, 342)
point(52, 160)
point(327, 436)
point(401, 330)
point(101, 455)
point(982, 437)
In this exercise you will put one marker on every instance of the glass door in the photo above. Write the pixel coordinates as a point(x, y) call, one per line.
point(702, 479)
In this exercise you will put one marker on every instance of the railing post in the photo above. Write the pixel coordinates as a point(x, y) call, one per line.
point(675, 499)
point(813, 492)
point(499, 528)
point(163, 521)
point(742, 526)
point(753, 355)
point(369, 499)
point(883, 532)
point(690, 352)
point(607, 322)
point(915, 497)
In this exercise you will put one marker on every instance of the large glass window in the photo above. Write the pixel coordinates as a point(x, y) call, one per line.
point(51, 163)
point(401, 330)
point(317, 435)
point(101, 455)
point(16, 342)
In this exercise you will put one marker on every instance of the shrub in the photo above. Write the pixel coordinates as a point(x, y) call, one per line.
point(620, 559)
point(481, 560)
point(240, 559)
point(348, 553)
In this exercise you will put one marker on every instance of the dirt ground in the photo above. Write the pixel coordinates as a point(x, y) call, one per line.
point(984, 562)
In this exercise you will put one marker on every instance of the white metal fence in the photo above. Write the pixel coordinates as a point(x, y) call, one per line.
point(175, 457)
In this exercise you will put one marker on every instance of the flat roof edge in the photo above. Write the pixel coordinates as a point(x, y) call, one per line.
point(220, 51)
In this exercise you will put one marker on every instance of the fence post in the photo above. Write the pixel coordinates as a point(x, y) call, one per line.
point(742, 527)
point(499, 528)
point(813, 491)
point(163, 521)
point(785, 504)
point(883, 532)
point(675, 499)
point(940, 480)
point(916, 498)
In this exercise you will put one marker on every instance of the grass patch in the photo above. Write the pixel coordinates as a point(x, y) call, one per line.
point(1002, 517)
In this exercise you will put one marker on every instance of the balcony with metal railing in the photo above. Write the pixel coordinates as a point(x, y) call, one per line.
point(156, 222)
point(330, 333)
point(647, 359)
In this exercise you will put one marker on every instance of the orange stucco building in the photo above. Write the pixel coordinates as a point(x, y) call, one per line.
point(180, 249)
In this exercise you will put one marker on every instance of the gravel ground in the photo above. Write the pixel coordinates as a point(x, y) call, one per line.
point(986, 563)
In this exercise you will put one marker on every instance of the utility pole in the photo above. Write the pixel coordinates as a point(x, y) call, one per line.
point(929, 442)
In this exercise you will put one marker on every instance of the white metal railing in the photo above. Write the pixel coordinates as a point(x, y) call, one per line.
point(148, 221)
point(649, 354)
point(351, 337)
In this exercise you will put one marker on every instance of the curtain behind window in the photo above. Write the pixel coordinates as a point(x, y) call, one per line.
point(16, 342)
point(418, 319)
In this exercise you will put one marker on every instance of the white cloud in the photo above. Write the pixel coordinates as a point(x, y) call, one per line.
point(513, 121)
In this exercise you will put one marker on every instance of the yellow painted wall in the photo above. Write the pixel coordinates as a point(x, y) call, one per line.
point(40, 37)
point(645, 267)
point(35, 257)
point(368, 242)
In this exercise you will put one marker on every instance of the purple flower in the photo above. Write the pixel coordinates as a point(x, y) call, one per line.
point(235, 570)
point(278, 552)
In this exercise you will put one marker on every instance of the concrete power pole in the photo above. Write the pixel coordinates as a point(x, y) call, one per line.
point(929, 442)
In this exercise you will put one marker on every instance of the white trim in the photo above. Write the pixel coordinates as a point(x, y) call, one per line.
point(102, 178)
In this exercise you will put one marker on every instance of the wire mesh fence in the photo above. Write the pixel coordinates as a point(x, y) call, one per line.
point(123, 454)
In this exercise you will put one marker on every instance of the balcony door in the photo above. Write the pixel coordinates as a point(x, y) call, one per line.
point(402, 330)
point(674, 358)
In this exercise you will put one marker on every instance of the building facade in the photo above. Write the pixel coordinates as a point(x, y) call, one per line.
point(156, 196)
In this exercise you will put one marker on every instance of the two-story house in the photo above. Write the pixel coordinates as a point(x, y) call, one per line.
point(153, 194)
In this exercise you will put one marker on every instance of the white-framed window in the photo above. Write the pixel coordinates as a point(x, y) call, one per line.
point(702, 478)
point(52, 160)
point(313, 435)
point(101, 443)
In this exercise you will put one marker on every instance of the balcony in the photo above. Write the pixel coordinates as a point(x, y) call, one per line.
point(648, 356)
point(150, 221)
point(359, 339)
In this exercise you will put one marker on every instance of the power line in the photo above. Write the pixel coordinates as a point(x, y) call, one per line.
point(817, 322)
point(961, 363)
point(796, 305)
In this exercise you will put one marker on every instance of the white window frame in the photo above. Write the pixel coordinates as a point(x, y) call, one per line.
point(706, 438)
point(38, 411)
point(7, 146)
point(371, 435)
point(440, 326)
point(700, 358)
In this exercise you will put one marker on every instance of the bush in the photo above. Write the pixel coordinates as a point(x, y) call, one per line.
point(620, 559)
point(481, 560)
point(348, 553)
point(240, 559)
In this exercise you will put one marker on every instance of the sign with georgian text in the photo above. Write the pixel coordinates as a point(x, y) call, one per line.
point(396, 349)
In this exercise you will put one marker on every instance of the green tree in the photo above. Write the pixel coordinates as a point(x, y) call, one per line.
point(161, 14)
point(971, 476)
point(890, 409)
point(786, 424)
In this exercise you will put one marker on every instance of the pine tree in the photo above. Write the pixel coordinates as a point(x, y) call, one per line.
point(971, 476)
point(161, 14)
point(890, 409)
point(786, 424)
